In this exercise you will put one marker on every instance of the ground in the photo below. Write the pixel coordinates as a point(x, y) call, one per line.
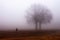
point(30, 35)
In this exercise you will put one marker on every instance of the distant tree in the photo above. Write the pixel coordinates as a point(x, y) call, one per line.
point(38, 14)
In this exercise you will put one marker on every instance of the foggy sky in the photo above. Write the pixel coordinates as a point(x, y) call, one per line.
point(12, 14)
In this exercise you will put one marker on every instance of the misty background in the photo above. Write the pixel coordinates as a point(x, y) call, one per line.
point(12, 14)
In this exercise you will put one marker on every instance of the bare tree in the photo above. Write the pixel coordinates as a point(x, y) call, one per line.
point(38, 14)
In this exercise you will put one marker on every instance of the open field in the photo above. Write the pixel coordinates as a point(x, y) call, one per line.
point(30, 35)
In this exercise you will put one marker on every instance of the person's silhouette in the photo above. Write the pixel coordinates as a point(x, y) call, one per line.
point(16, 29)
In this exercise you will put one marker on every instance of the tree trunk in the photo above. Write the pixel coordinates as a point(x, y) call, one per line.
point(36, 26)
point(39, 26)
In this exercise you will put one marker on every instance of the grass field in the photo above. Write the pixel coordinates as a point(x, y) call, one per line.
point(30, 35)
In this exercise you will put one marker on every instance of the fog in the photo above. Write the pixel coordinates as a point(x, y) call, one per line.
point(12, 14)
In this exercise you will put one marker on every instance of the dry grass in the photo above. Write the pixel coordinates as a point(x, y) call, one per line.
point(30, 35)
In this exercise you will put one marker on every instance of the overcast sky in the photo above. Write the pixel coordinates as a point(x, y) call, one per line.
point(12, 13)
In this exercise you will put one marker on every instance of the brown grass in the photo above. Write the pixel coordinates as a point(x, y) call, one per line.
point(30, 35)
